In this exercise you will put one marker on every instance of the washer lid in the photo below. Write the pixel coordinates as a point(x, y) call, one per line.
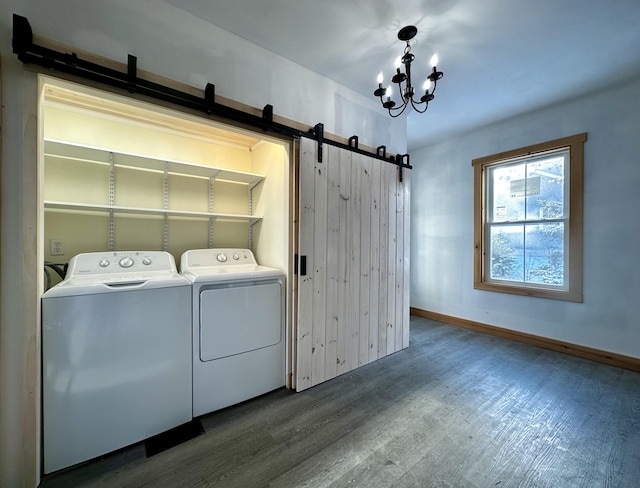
point(105, 272)
point(112, 284)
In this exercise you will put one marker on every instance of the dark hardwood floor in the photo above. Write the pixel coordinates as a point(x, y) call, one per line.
point(456, 409)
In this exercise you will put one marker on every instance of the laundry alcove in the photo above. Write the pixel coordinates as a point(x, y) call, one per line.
point(123, 175)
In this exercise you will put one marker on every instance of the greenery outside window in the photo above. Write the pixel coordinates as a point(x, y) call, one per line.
point(528, 220)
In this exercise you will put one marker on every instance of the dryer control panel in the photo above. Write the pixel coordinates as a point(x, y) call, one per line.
point(217, 257)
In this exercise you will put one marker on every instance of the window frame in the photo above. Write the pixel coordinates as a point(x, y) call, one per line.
point(572, 291)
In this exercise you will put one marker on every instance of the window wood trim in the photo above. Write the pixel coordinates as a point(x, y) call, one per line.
point(575, 144)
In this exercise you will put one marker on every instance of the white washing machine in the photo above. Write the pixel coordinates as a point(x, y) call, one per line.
point(116, 342)
point(238, 327)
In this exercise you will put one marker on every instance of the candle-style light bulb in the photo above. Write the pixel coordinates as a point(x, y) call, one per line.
point(427, 85)
point(397, 63)
point(434, 60)
point(380, 78)
point(389, 92)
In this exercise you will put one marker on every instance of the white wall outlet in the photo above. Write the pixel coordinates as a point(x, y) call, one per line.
point(56, 248)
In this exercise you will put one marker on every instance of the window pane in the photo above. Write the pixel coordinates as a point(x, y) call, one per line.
point(506, 252)
point(502, 207)
point(544, 254)
point(545, 188)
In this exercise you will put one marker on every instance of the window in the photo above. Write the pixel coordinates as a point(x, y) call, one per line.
point(528, 220)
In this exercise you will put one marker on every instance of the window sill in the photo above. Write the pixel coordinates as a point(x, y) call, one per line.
point(530, 291)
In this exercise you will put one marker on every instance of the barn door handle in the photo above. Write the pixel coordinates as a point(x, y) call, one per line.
point(300, 266)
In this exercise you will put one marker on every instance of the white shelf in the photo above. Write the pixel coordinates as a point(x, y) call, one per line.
point(72, 152)
point(92, 180)
point(52, 205)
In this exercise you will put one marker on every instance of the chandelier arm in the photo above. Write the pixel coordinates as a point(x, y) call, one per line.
point(400, 109)
point(398, 114)
point(417, 109)
point(415, 102)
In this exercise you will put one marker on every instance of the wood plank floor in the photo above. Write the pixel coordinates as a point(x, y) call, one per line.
point(456, 409)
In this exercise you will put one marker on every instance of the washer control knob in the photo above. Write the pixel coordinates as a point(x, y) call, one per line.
point(146, 261)
point(221, 257)
point(236, 257)
point(103, 263)
point(126, 262)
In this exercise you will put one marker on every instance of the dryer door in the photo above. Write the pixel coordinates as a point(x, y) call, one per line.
point(240, 317)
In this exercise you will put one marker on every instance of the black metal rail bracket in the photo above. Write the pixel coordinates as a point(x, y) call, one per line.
point(401, 164)
point(70, 63)
point(267, 113)
point(210, 97)
point(318, 132)
point(132, 73)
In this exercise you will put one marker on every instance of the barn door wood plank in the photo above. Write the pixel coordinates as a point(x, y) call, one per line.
point(384, 259)
point(406, 258)
point(344, 269)
point(391, 182)
point(333, 262)
point(319, 276)
point(304, 337)
point(374, 238)
point(399, 264)
point(354, 261)
point(365, 260)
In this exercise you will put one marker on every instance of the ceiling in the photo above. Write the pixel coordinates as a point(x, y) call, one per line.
point(500, 58)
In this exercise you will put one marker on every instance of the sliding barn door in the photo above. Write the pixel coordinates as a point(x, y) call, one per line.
point(353, 293)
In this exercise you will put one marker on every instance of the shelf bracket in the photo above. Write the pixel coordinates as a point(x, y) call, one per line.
point(165, 205)
point(112, 201)
point(211, 219)
point(250, 208)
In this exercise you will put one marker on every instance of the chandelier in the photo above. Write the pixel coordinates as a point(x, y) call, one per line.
point(403, 80)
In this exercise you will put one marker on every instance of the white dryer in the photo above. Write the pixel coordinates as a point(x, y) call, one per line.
point(116, 365)
point(238, 327)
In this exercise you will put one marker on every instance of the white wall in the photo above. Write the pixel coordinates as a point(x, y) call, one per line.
point(167, 42)
point(442, 224)
point(270, 236)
